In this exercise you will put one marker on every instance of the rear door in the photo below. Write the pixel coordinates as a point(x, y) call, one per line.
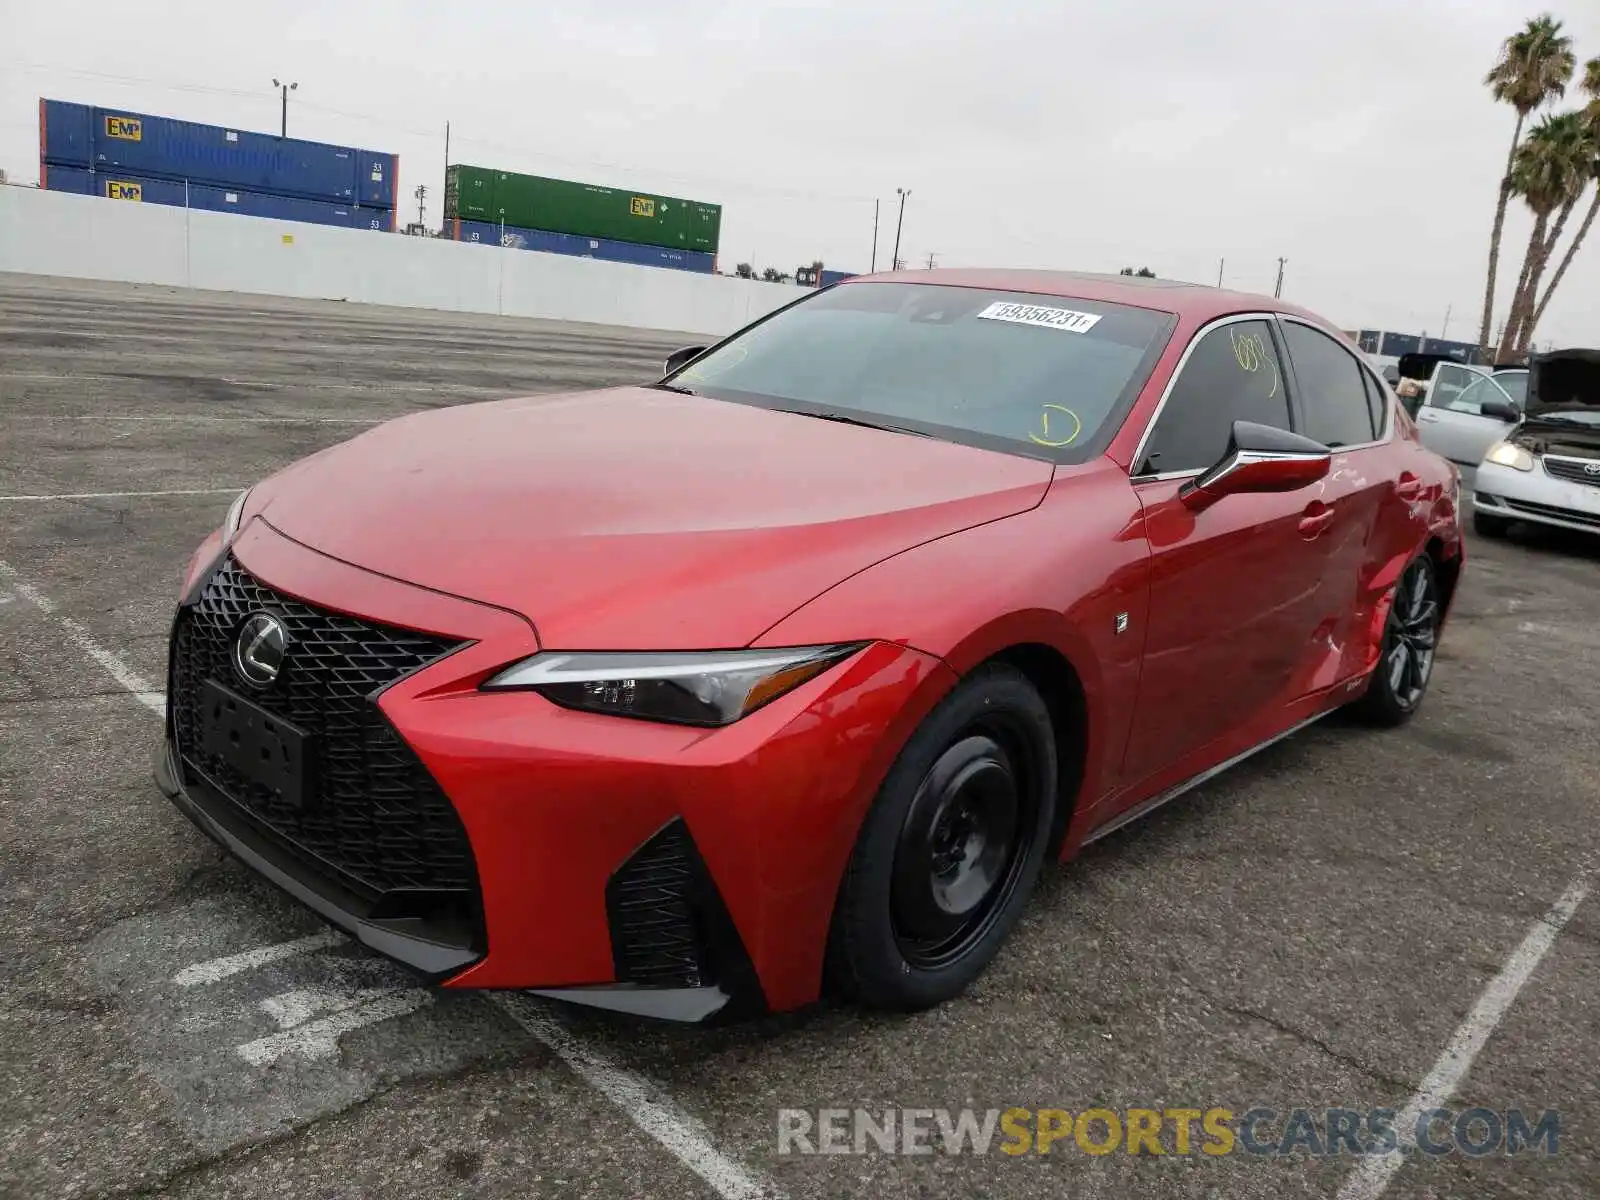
point(1238, 590)
point(1340, 404)
point(1451, 420)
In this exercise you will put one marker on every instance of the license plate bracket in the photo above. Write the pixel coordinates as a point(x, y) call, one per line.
point(262, 747)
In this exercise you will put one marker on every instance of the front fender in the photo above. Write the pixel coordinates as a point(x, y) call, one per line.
point(1071, 575)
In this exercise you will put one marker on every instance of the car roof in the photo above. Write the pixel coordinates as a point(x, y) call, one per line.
point(1192, 301)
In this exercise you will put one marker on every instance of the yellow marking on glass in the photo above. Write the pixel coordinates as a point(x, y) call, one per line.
point(1044, 428)
point(1251, 353)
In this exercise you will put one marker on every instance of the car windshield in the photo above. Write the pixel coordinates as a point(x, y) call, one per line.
point(1515, 384)
point(1569, 416)
point(1046, 375)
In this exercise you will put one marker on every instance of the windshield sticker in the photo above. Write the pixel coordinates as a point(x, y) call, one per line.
point(1034, 314)
point(1052, 437)
point(1251, 353)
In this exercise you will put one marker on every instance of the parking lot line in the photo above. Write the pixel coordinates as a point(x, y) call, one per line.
point(232, 964)
point(222, 491)
point(1368, 1181)
point(655, 1114)
point(129, 679)
point(674, 1129)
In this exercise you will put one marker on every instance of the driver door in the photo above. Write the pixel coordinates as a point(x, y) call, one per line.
point(1452, 422)
point(1241, 593)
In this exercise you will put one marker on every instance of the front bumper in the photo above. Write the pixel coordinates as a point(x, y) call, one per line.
point(644, 867)
point(1536, 496)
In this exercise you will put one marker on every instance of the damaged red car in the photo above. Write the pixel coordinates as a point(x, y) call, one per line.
point(793, 669)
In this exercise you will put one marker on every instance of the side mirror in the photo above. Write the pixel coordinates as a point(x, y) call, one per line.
point(682, 358)
point(1504, 410)
point(1259, 459)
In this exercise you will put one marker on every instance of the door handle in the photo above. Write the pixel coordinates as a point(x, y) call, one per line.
point(1427, 415)
point(1409, 486)
point(1314, 523)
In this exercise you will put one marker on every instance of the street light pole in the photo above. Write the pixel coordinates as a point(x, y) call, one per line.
point(285, 88)
point(894, 264)
point(1278, 287)
point(874, 238)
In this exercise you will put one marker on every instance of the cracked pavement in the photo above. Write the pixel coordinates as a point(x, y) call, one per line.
point(1306, 930)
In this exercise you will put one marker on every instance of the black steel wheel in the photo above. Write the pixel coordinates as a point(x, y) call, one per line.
point(1410, 644)
point(950, 849)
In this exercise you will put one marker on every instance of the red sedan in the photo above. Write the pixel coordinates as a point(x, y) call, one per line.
point(793, 669)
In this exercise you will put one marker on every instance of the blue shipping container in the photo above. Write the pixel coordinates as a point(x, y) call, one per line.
point(66, 179)
point(143, 189)
point(1394, 345)
point(489, 234)
point(163, 148)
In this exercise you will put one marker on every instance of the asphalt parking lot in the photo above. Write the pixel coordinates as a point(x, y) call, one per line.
point(1322, 927)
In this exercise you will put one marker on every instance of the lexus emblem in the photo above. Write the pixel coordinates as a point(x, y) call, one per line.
point(259, 649)
point(1592, 469)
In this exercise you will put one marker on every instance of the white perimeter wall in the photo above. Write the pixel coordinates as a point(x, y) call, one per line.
point(87, 237)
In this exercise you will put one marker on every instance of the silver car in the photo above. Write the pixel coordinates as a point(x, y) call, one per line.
point(1546, 467)
point(1469, 409)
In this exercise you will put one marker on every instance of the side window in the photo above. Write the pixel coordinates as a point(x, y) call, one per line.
point(1338, 411)
point(1450, 382)
point(1472, 398)
point(1233, 374)
point(1377, 401)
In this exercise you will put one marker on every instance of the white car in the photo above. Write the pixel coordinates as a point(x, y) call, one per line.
point(1468, 409)
point(1546, 468)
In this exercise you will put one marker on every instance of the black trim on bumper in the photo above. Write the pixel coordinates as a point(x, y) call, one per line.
point(675, 948)
point(400, 940)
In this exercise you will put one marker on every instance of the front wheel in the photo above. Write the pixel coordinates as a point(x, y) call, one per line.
point(950, 848)
point(1410, 642)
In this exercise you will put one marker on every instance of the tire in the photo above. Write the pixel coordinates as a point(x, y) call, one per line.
point(1489, 526)
point(950, 849)
point(1410, 642)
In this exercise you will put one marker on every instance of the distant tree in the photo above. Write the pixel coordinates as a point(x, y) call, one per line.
point(772, 275)
point(745, 271)
point(1591, 117)
point(1553, 167)
point(1534, 68)
point(1142, 272)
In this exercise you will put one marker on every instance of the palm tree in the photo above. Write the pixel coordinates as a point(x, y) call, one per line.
point(1550, 171)
point(1591, 115)
point(1534, 68)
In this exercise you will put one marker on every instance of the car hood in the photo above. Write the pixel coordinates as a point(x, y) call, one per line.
point(637, 518)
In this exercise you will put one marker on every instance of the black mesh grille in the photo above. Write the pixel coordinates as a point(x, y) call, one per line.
point(1575, 472)
point(656, 940)
point(1549, 510)
point(374, 813)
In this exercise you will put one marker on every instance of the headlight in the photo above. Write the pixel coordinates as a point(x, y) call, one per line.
point(1505, 454)
point(713, 688)
point(230, 523)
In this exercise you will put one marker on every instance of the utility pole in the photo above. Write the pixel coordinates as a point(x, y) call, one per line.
point(902, 193)
point(1445, 328)
point(930, 262)
point(1220, 263)
point(874, 238)
point(420, 193)
point(285, 88)
point(1278, 290)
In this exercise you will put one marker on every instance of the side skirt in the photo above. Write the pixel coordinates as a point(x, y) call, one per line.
point(1145, 808)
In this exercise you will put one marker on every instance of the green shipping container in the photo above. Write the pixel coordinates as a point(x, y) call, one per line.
point(582, 209)
point(469, 193)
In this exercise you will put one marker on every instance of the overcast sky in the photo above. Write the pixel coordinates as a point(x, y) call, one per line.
point(1354, 139)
